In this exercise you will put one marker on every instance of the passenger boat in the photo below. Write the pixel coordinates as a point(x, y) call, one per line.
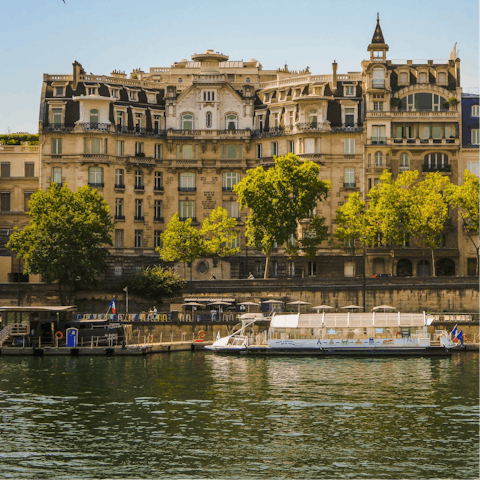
point(364, 334)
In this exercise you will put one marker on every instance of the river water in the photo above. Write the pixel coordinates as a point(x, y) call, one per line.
point(198, 415)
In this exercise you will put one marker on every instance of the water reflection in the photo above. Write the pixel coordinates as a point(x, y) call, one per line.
point(204, 416)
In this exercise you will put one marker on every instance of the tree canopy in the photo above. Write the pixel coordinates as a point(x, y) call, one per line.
point(277, 198)
point(154, 283)
point(66, 237)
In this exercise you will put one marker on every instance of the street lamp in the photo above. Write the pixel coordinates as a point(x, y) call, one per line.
point(190, 264)
point(364, 266)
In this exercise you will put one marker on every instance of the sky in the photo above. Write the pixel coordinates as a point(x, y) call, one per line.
point(47, 36)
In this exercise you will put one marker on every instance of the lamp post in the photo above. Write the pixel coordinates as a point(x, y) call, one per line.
point(190, 264)
point(364, 266)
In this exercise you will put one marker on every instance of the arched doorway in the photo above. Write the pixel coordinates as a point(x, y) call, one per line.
point(423, 269)
point(445, 267)
point(378, 266)
point(404, 268)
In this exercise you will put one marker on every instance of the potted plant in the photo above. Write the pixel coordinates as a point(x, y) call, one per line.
point(395, 102)
point(452, 101)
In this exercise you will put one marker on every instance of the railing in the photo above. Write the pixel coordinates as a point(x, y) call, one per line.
point(158, 219)
point(97, 157)
point(95, 126)
point(119, 217)
point(413, 113)
point(269, 132)
point(227, 189)
point(349, 184)
point(378, 140)
point(157, 188)
point(182, 219)
point(120, 186)
point(57, 127)
point(436, 168)
point(187, 189)
point(139, 217)
point(423, 141)
point(310, 126)
point(96, 184)
point(5, 334)
point(139, 187)
point(347, 129)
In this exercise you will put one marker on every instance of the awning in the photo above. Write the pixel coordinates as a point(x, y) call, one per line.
point(209, 299)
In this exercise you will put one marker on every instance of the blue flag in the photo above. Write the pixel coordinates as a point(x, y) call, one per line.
point(454, 331)
point(460, 337)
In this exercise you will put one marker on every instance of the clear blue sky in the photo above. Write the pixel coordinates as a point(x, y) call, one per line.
point(46, 36)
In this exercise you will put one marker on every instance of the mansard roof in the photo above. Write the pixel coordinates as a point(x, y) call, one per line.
point(378, 34)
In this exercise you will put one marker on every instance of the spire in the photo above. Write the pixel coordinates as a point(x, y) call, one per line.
point(378, 35)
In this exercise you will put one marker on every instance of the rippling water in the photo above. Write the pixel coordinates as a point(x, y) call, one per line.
point(197, 415)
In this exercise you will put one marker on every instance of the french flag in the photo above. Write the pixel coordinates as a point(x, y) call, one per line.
point(460, 337)
point(112, 305)
point(454, 331)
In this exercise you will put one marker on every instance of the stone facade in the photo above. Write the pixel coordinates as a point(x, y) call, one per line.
point(177, 139)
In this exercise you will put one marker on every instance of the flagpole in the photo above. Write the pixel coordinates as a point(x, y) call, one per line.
point(126, 302)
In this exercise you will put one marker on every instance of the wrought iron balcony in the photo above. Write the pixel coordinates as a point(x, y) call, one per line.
point(95, 126)
point(182, 219)
point(139, 217)
point(349, 184)
point(378, 140)
point(158, 188)
point(158, 219)
point(57, 127)
point(227, 189)
point(119, 217)
point(96, 184)
point(187, 189)
point(268, 132)
point(352, 128)
point(120, 186)
point(436, 168)
point(139, 187)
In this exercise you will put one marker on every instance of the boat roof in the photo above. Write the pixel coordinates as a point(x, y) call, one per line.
point(374, 319)
point(39, 308)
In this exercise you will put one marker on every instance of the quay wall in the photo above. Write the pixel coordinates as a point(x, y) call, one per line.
point(439, 294)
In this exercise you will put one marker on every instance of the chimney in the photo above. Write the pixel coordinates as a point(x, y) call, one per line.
point(334, 80)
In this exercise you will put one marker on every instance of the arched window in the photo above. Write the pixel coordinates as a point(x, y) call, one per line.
point(187, 121)
point(422, 77)
point(404, 163)
point(378, 77)
point(445, 267)
point(208, 119)
point(378, 159)
point(423, 269)
point(404, 268)
point(231, 121)
point(180, 80)
point(94, 115)
point(442, 77)
point(403, 77)
point(433, 162)
point(312, 117)
point(247, 80)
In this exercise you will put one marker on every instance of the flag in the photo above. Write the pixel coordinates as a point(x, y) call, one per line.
point(454, 331)
point(112, 305)
point(125, 289)
point(460, 337)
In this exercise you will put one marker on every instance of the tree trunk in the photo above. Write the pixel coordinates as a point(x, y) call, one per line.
point(393, 261)
point(267, 264)
point(433, 263)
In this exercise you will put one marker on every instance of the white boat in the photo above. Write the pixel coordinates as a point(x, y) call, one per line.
point(366, 334)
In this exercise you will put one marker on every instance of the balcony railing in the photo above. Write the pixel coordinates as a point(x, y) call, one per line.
point(140, 187)
point(349, 184)
point(139, 217)
point(120, 186)
point(119, 217)
point(378, 140)
point(425, 141)
point(95, 126)
point(268, 132)
point(436, 168)
point(227, 189)
point(182, 219)
point(187, 189)
point(158, 188)
point(57, 127)
point(354, 129)
point(158, 219)
point(96, 184)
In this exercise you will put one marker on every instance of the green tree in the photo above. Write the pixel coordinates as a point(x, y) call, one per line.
point(219, 232)
point(313, 236)
point(465, 197)
point(430, 211)
point(390, 209)
point(155, 283)
point(66, 237)
point(277, 198)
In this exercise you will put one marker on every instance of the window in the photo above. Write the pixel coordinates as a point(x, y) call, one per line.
point(94, 116)
point(235, 243)
point(403, 78)
point(349, 177)
point(139, 146)
point(29, 169)
point(114, 92)
point(138, 238)
point(247, 80)
point(404, 162)
point(230, 179)
point(187, 121)
point(186, 209)
point(157, 238)
point(422, 77)
point(209, 96)
point(4, 201)
point(186, 182)
point(231, 121)
point(379, 134)
point(133, 95)
point(119, 238)
point(231, 151)
point(56, 146)
point(92, 90)
point(290, 268)
point(378, 78)
point(232, 209)
point(139, 180)
point(349, 90)
point(59, 91)
point(291, 146)
point(436, 162)
point(442, 77)
point(312, 117)
point(156, 123)
point(120, 119)
point(475, 110)
point(475, 137)
point(57, 175)
point(274, 148)
point(473, 167)
point(92, 146)
point(157, 211)
point(378, 159)
point(208, 120)
point(378, 106)
point(258, 150)
point(158, 153)
point(187, 152)
point(349, 117)
point(119, 210)
point(139, 209)
point(26, 199)
point(5, 168)
point(158, 181)
point(119, 148)
point(349, 146)
point(151, 97)
point(180, 80)
point(57, 116)
point(95, 176)
point(119, 178)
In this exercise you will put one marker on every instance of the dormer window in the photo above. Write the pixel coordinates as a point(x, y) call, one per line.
point(403, 78)
point(151, 97)
point(267, 97)
point(442, 78)
point(115, 93)
point(92, 90)
point(422, 77)
point(94, 116)
point(349, 90)
point(59, 91)
point(133, 95)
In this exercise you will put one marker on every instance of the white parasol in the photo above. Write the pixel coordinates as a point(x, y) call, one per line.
point(299, 303)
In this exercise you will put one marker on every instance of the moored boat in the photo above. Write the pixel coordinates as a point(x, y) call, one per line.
point(365, 334)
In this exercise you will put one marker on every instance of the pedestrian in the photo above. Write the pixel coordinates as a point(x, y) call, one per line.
point(154, 313)
point(250, 276)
